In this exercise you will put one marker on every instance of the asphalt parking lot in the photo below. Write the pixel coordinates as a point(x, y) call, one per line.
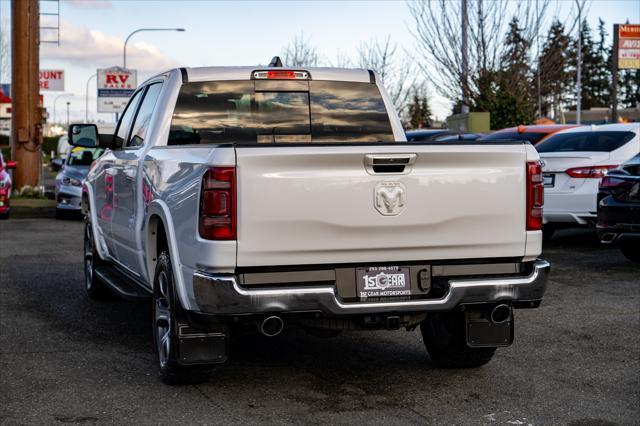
point(66, 359)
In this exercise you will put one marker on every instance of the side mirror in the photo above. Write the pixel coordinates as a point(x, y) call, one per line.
point(11, 164)
point(84, 135)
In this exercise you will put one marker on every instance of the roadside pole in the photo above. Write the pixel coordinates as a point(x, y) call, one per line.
point(614, 75)
point(579, 67)
point(26, 125)
point(465, 58)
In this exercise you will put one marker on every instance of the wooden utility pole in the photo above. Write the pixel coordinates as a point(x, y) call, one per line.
point(26, 121)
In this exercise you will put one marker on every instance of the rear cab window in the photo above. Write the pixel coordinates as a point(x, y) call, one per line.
point(266, 112)
point(605, 141)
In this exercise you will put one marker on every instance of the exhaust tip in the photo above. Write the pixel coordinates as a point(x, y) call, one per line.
point(500, 314)
point(609, 237)
point(271, 326)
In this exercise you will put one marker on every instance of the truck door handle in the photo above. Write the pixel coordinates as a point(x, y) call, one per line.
point(389, 163)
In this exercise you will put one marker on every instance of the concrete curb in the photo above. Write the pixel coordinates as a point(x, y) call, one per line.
point(32, 209)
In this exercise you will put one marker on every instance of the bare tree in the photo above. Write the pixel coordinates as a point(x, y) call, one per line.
point(394, 68)
point(342, 60)
point(5, 59)
point(438, 34)
point(300, 52)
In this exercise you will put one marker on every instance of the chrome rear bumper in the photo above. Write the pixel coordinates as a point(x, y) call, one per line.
point(221, 295)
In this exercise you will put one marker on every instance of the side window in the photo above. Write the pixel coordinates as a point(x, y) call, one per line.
point(145, 112)
point(127, 118)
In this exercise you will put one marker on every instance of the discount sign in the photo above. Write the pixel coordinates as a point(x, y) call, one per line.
point(115, 87)
point(51, 80)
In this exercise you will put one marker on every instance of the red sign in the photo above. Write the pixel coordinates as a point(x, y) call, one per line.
point(52, 80)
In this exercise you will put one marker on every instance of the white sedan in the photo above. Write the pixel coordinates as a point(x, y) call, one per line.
point(574, 161)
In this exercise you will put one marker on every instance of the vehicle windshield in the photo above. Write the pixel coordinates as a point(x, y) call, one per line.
point(533, 137)
point(83, 156)
point(257, 112)
point(585, 141)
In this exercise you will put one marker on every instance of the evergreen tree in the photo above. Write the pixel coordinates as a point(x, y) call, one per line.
point(628, 88)
point(510, 98)
point(589, 70)
point(555, 73)
point(601, 83)
point(419, 111)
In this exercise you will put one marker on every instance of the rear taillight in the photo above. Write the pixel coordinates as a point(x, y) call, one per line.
point(611, 181)
point(590, 172)
point(218, 204)
point(535, 196)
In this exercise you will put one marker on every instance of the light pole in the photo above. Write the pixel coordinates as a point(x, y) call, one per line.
point(55, 100)
point(124, 54)
point(68, 103)
point(579, 67)
point(86, 98)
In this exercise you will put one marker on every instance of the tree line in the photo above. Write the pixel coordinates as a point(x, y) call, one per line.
point(513, 69)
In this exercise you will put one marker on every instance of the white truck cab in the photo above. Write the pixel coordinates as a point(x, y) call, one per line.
point(284, 196)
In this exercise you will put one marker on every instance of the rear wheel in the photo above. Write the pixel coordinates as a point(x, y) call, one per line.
point(166, 310)
point(95, 288)
point(631, 252)
point(444, 336)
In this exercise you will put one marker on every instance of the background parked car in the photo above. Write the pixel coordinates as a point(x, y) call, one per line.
point(458, 137)
point(425, 135)
point(69, 180)
point(5, 187)
point(62, 150)
point(574, 161)
point(534, 133)
point(619, 208)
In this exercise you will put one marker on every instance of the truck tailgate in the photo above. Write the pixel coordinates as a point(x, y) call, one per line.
point(304, 205)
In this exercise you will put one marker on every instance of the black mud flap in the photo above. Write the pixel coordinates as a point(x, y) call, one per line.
point(482, 332)
point(201, 347)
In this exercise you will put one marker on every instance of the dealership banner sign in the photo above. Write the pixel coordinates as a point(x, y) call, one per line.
point(628, 46)
point(51, 80)
point(115, 87)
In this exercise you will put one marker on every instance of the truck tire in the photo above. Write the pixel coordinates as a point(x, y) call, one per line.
point(95, 288)
point(444, 336)
point(631, 252)
point(166, 311)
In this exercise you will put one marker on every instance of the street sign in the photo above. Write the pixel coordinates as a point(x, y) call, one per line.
point(51, 80)
point(115, 87)
point(628, 46)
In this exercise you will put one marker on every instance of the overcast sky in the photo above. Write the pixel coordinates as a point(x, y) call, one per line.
point(92, 35)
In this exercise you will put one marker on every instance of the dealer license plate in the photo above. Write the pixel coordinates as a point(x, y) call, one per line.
point(383, 281)
point(548, 180)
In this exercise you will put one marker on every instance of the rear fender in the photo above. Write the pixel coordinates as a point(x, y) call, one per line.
point(98, 241)
point(160, 209)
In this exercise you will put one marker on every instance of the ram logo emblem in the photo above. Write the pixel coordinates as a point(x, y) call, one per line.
point(389, 198)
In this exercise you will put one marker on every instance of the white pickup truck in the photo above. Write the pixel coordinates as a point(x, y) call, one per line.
point(272, 197)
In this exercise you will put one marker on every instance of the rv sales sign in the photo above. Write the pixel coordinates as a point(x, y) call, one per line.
point(115, 87)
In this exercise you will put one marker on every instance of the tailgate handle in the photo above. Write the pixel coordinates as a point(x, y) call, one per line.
point(389, 163)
